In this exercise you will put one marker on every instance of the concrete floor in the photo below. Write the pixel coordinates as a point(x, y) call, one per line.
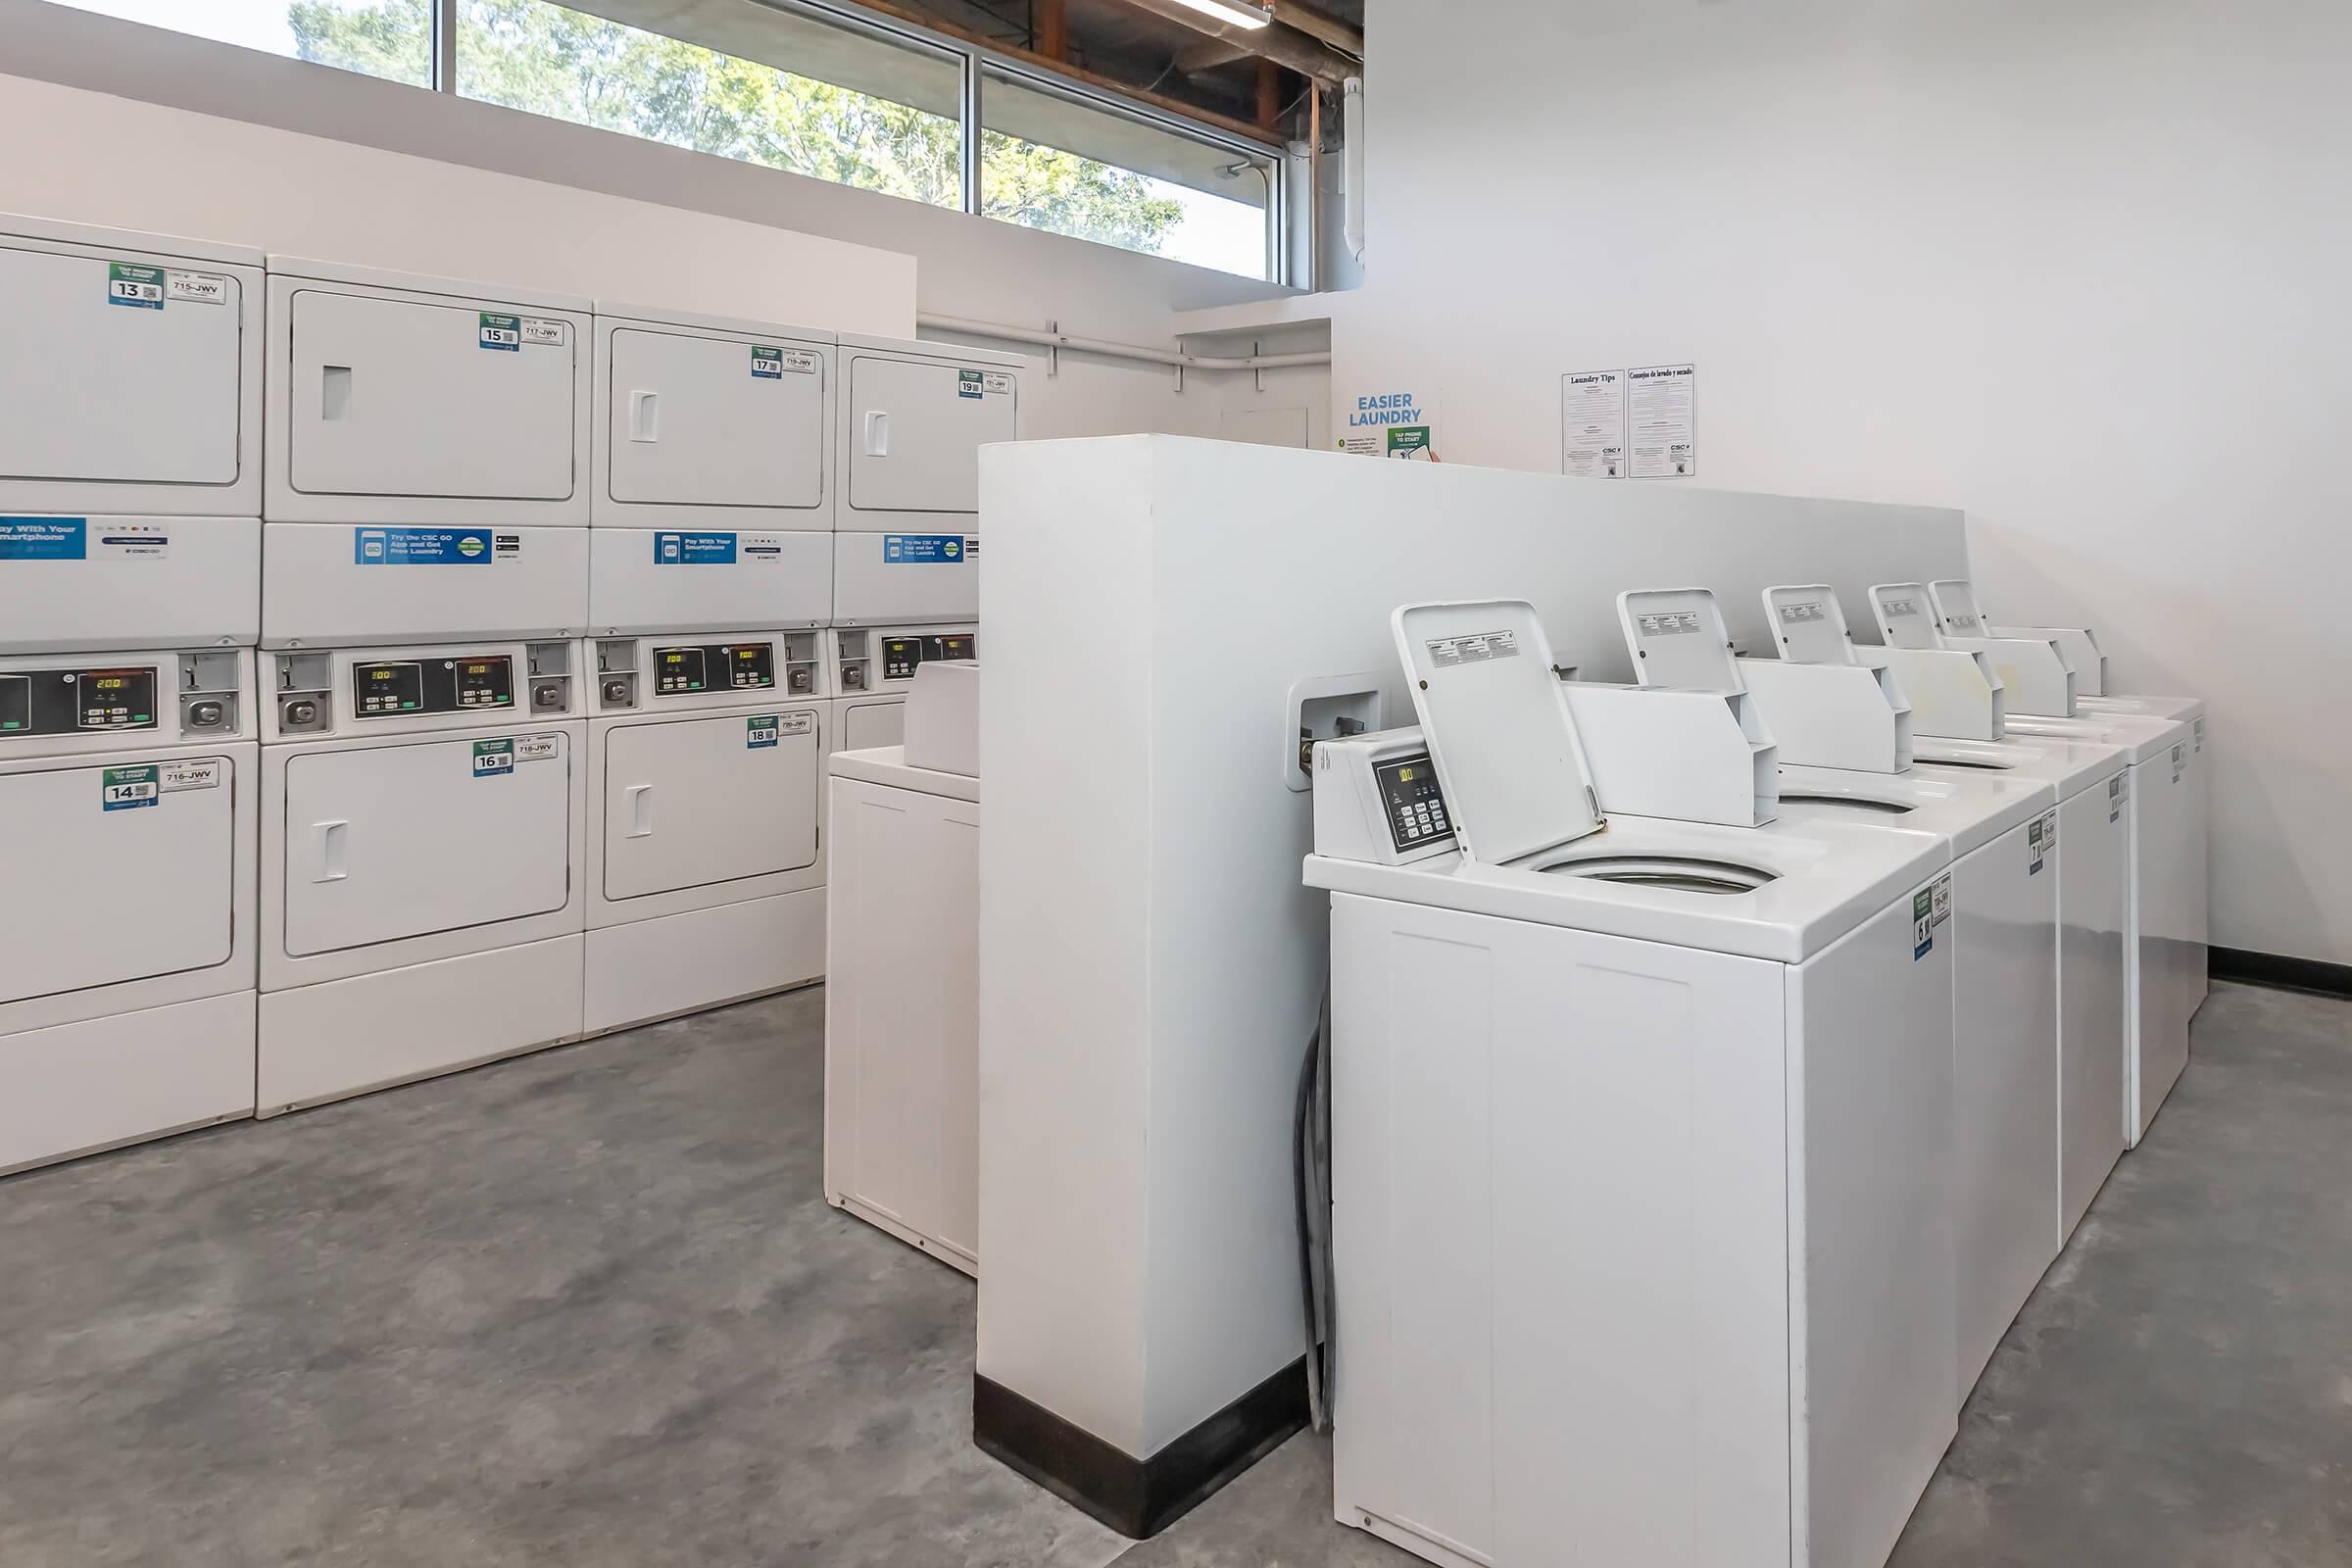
point(589, 1309)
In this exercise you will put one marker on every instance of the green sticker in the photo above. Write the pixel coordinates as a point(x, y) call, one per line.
point(122, 789)
point(1409, 440)
point(139, 287)
point(967, 384)
point(498, 331)
point(492, 758)
point(1922, 923)
point(760, 732)
point(767, 362)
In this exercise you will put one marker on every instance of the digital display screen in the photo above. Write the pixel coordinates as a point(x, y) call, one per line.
point(679, 669)
point(380, 689)
point(752, 667)
point(485, 683)
point(1416, 806)
point(115, 699)
point(900, 656)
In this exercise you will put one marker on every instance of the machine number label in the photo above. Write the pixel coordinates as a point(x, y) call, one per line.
point(500, 332)
point(913, 549)
point(204, 775)
point(760, 732)
point(492, 758)
point(2179, 761)
point(2118, 792)
point(1943, 897)
point(2042, 836)
point(44, 538)
point(196, 288)
point(1922, 923)
point(139, 287)
point(1476, 649)
point(968, 383)
point(771, 361)
point(541, 333)
point(797, 724)
point(535, 749)
point(124, 789)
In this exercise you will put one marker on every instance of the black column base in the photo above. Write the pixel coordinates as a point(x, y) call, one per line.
point(1136, 1497)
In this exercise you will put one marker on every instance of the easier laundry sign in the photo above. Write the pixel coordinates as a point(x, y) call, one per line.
point(1395, 421)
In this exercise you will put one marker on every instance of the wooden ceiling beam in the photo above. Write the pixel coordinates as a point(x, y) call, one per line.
point(1281, 45)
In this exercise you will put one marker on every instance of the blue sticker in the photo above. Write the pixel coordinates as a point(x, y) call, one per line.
point(127, 789)
point(44, 538)
point(693, 549)
point(421, 546)
point(935, 549)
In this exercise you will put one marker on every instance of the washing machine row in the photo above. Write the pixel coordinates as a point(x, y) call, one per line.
point(442, 627)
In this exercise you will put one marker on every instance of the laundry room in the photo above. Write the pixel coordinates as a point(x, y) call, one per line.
point(1172, 783)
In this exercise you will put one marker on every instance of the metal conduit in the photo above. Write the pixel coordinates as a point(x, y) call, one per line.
point(1120, 351)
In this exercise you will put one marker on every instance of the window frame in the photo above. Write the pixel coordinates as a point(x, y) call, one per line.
point(977, 62)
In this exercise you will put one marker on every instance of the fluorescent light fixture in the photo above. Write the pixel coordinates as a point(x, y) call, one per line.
point(1241, 15)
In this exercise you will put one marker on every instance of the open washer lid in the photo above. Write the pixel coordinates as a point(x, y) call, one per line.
point(1497, 725)
point(1678, 639)
point(1809, 624)
point(1906, 615)
point(1956, 611)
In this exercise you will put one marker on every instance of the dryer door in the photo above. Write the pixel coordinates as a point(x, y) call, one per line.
point(716, 421)
point(396, 397)
point(165, 372)
point(919, 428)
point(865, 725)
point(114, 876)
point(406, 839)
point(694, 802)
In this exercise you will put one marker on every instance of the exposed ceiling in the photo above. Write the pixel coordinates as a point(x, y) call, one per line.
point(1258, 76)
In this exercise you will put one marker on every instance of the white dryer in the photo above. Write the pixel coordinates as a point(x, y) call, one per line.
point(1642, 1137)
point(423, 838)
point(127, 939)
point(914, 416)
point(706, 863)
point(902, 986)
point(874, 668)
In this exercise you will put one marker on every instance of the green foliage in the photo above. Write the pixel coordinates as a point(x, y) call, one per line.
point(549, 59)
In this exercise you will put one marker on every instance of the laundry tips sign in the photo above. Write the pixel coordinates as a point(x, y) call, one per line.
point(1390, 423)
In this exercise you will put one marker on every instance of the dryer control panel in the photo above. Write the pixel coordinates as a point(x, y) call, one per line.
point(1377, 799)
point(336, 691)
point(475, 684)
point(667, 672)
point(684, 671)
point(868, 659)
point(57, 703)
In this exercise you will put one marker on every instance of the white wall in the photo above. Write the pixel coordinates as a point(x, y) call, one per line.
point(965, 266)
point(2076, 268)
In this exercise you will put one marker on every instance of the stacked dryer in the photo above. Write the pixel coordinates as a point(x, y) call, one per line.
point(711, 580)
point(129, 483)
point(906, 573)
point(424, 581)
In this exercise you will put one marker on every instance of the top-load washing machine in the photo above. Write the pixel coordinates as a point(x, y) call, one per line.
point(1642, 1137)
point(129, 549)
point(912, 419)
point(903, 982)
point(2002, 831)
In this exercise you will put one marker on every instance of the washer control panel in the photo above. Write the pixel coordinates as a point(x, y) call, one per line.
point(405, 687)
point(1414, 806)
point(62, 701)
point(683, 671)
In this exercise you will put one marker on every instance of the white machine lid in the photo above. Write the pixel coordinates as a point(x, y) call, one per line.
point(1809, 624)
point(1906, 615)
point(538, 299)
point(659, 317)
point(928, 348)
point(2070, 764)
point(1956, 611)
point(2143, 736)
point(1497, 725)
point(1677, 639)
point(886, 765)
point(1970, 811)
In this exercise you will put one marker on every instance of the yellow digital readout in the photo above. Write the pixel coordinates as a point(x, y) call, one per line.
point(1404, 775)
point(673, 658)
point(112, 683)
point(747, 653)
point(477, 669)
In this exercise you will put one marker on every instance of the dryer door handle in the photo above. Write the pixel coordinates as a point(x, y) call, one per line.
point(645, 415)
point(878, 432)
point(640, 797)
point(329, 850)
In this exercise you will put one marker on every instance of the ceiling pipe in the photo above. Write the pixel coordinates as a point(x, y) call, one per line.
point(1120, 351)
